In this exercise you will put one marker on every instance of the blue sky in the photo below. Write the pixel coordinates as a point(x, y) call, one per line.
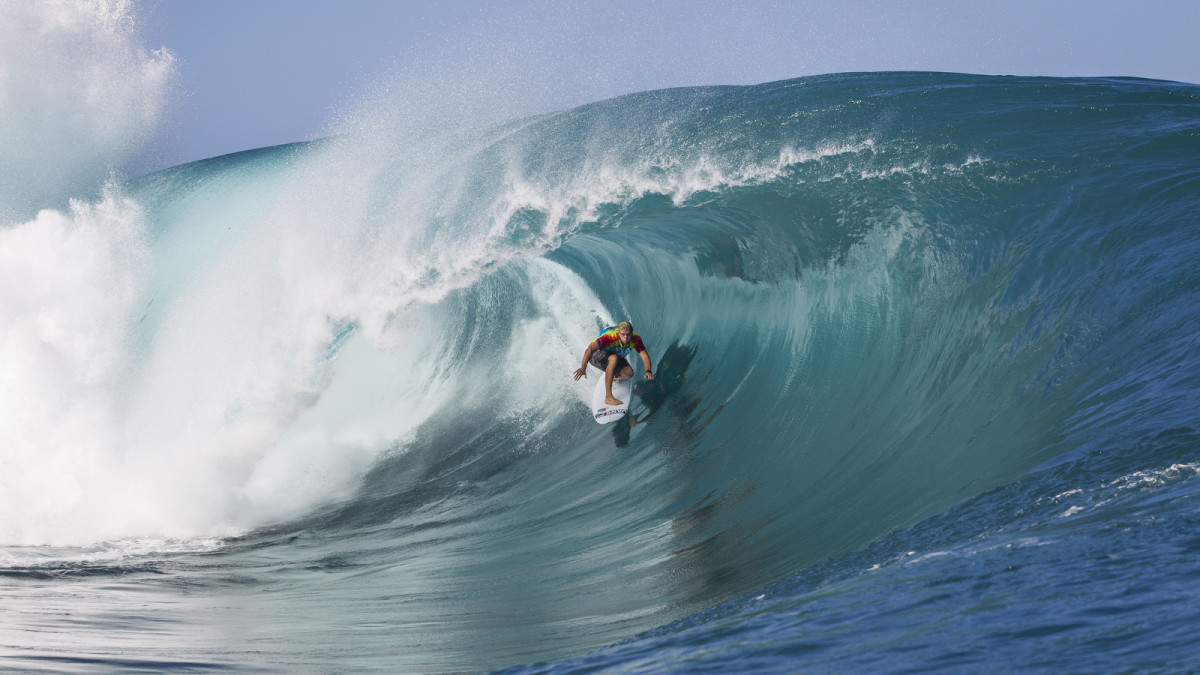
point(254, 73)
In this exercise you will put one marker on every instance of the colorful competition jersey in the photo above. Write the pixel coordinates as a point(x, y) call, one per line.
point(609, 342)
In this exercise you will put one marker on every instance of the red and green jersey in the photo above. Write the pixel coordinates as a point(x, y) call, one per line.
point(610, 342)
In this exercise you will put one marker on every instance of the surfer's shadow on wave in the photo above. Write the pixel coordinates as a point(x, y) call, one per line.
point(652, 394)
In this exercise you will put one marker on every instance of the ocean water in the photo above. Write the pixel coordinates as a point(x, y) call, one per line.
point(926, 390)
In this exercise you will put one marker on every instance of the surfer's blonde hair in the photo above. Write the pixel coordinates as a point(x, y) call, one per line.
point(623, 325)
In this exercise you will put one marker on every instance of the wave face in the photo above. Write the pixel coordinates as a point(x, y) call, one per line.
point(321, 414)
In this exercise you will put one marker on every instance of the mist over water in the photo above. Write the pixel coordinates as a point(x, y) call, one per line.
point(79, 97)
point(310, 406)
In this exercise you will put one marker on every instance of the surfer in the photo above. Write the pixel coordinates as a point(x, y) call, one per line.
point(608, 353)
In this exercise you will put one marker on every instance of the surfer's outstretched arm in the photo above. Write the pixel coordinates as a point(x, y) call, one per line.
point(587, 354)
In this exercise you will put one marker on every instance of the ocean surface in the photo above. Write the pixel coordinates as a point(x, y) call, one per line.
point(927, 393)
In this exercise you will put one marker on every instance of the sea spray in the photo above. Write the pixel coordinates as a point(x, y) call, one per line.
point(79, 96)
point(70, 294)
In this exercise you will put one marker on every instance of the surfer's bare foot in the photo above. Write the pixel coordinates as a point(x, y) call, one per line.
point(612, 401)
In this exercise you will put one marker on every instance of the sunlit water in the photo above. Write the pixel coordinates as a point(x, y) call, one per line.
point(926, 391)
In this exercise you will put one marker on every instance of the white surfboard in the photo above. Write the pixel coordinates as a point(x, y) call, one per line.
point(605, 413)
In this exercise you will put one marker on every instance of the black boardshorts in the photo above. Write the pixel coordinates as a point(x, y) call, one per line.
point(600, 360)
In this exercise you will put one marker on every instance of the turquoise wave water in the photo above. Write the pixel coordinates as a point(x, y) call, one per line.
point(900, 322)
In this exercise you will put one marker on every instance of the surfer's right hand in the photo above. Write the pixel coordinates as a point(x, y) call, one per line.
point(582, 372)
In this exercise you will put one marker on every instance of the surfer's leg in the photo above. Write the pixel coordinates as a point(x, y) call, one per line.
point(599, 360)
point(623, 371)
point(608, 380)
